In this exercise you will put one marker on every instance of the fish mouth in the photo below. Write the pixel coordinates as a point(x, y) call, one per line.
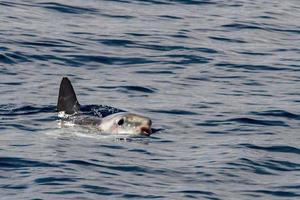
point(146, 131)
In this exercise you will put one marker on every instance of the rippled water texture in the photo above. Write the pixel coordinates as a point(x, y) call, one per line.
point(220, 80)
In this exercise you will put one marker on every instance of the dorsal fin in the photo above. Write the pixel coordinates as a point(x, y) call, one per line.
point(67, 100)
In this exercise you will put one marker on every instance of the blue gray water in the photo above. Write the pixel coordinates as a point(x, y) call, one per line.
point(220, 80)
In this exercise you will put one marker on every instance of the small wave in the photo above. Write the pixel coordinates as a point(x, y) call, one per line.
point(240, 26)
point(5, 59)
point(14, 162)
point(184, 59)
point(188, 2)
point(118, 16)
point(140, 196)
point(123, 168)
point(169, 17)
point(63, 8)
point(277, 193)
point(154, 72)
point(278, 148)
point(252, 53)
point(54, 180)
point(10, 110)
point(266, 166)
point(256, 26)
point(109, 60)
point(117, 42)
point(100, 190)
point(251, 67)
point(196, 194)
point(227, 39)
point(175, 112)
point(138, 89)
point(7, 71)
point(278, 113)
point(129, 88)
point(245, 120)
point(13, 4)
point(45, 43)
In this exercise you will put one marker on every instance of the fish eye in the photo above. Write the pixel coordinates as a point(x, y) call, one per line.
point(121, 122)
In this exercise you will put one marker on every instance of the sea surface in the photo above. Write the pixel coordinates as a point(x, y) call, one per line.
point(219, 79)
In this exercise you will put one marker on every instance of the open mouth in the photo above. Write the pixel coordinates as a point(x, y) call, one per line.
point(146, 131)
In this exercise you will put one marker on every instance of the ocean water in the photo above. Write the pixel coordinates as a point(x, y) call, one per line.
point(219, 79)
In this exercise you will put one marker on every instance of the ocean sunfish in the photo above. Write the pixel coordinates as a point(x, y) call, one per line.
point(118, 123)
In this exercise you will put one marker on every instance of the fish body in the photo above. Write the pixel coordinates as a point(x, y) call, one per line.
point(117, 123)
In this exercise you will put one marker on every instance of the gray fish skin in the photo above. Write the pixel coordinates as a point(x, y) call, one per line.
point(118, 123)
point(87, 121)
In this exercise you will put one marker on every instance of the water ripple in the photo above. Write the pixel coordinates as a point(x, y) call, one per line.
point(243, 120)
point(257, 122)
point(109, 60)
point(278, 113)
point(267, 167)
point(54, 181)
point(11, 110)
point(273, 193)
point(175, 112)
point(99, 190)
point(130, 88)
point(219, 79)
point(252, 67)
point(63, 8)
point(14, 162)
point(278, 148)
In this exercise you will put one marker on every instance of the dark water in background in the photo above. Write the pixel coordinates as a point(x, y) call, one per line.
point(220, 78)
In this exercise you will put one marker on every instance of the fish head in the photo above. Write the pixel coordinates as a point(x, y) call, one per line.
point(126, 123)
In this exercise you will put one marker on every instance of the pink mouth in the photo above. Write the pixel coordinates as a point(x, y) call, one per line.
point(146, 131)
